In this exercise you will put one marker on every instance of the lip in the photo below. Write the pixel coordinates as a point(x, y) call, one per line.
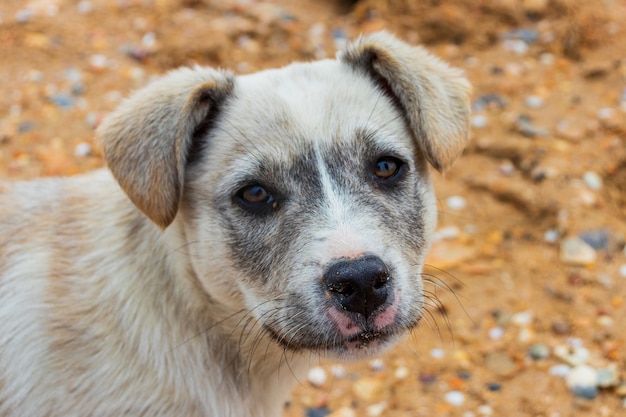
point(368, 342)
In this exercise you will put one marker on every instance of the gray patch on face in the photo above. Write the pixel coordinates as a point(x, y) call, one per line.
point(266, 246)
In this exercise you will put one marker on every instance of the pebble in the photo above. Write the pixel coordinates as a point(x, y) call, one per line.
point(592, 180)
point(606, 113)
point(582, 381)
point(496, 333)
point(608, 377)
point(401, 372)
point(371, 390)
point(446, 233)
point(24, 15)
point(523, 318)
point(456, 202)
point(622, 271)
point(437, 353)
point(377, 409)
point(575, 251)
point(598, 239)
point(449, 254)
point(82, 149)
point(377, 365)
point(317, 412)
point(494, 386)
point(64, 101)
point(479, 121)
point(524, 126)
point(338, 371)
point(507, 168)
point(317, 376)
point(534, 102)
point(539, 351)
point(524, 34)
point(84, 7)
point(515, 45)
point(489, 100)
point(455, 398)
point(485, 410)
point(561, 370)
point(98, 62)
point(572, 355)
point(551, 236)
point(500, 363)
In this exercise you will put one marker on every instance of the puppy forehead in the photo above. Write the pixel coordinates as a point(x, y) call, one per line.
point(323, 105)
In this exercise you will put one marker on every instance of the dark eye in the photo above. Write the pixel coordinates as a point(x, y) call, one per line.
point(255, 194)
point(387, 167)
point(256, 199)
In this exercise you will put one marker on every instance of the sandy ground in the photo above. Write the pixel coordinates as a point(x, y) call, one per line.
point(510, 313)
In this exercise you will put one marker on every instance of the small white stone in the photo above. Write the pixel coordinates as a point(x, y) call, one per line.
point(575, 251)
point(605, 321)
point(516, 45)
point(377, 409)
point(82, 149)
point(523, 318)
point(560, 370)
point(551, 236)
point(437, 353)
point(24, 15)
point(622, 270)
point(485, 410)
point(571, 354)
point(98, 61)
point(455, 398)
point(401, 373)
point(84, 7)
point(546, 59)
point(582, 376)
point(496, 333)
point(534, 102)
point(479, 121)
point(338, 371)
point(149, 40)
point(592, 180)
point(456, 202)
point(317, 376)
point(606, 113)
point(377, 365)
point(446, 233)
point(507, 168)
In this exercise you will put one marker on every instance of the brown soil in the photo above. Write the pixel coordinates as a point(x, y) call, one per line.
point(522, 176)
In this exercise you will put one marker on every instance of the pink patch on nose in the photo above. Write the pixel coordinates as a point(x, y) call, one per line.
point(344, 324)
point(387, 316)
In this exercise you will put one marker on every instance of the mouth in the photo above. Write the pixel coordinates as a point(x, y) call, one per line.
point(364, 344)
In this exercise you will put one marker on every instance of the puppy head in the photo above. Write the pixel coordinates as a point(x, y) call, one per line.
point(303, 192)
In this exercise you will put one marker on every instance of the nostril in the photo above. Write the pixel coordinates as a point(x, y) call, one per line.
point(343, 288)
point(381, 280)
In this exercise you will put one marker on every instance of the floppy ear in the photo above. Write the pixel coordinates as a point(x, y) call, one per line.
point(433, 96)
point(146, 140)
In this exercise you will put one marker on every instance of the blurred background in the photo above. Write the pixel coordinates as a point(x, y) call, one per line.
point(526, 281)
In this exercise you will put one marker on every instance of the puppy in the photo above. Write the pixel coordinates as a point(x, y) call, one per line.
point(244, 225)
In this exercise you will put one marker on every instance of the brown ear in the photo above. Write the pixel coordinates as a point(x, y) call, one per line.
point(147, 138)
point(433, 96)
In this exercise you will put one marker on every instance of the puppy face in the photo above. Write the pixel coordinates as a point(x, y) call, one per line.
point(302, 193)
point(324, 206)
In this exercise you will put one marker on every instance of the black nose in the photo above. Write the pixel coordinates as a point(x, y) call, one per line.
point(359, 285)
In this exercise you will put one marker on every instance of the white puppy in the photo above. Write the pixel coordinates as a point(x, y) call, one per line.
point(245, 223)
